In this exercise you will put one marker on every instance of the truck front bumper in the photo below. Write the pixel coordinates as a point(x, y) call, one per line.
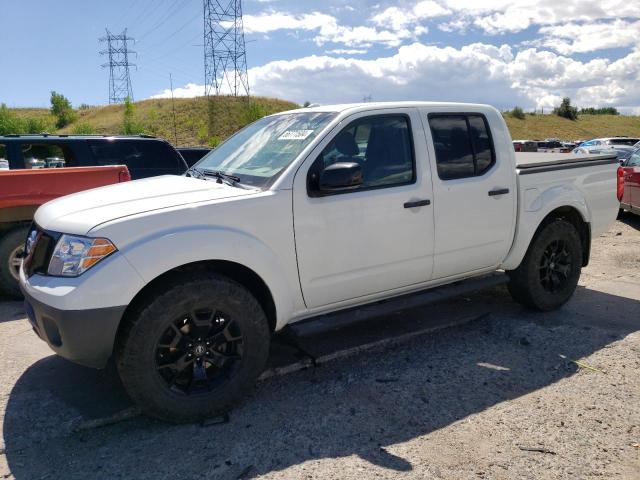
point(85, 337)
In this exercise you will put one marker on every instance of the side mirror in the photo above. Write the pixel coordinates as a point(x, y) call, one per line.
point(340, 176)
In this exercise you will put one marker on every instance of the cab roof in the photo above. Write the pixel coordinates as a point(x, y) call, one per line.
point(355, 107)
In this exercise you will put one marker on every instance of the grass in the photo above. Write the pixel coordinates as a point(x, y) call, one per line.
point(202, 121)
point(538, 127)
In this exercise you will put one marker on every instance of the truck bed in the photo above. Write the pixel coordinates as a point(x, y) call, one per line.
point(529, 162)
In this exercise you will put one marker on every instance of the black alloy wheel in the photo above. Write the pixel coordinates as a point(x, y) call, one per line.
point(199, 351)
point(555, 266)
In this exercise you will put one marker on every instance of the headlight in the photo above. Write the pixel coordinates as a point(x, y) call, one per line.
point(74, 255)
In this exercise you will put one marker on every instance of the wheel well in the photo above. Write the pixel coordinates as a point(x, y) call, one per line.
point(573, 216)
point(235, 271)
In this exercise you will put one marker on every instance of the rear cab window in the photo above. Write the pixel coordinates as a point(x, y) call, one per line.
point(463, 144)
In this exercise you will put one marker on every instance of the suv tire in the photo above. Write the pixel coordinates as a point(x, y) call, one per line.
point(195, 349)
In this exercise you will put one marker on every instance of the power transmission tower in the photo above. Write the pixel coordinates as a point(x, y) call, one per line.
point(225, 58)
point(118, 55)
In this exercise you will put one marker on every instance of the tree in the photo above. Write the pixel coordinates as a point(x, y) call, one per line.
point(566, 110)
point(61, 108)
point(600, 111)
point(518, 113)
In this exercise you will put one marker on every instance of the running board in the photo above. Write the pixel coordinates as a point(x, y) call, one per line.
point(350, 316)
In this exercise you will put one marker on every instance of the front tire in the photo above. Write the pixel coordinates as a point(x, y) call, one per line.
point(11, 249)
point(550, 270)
point(194, 350)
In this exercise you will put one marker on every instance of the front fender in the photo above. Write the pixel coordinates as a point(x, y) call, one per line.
point(534, 206)
point(164, 251)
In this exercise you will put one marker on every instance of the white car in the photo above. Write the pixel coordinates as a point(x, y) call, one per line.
point(609, 141)
point(621, 151)
point(300, 214)
point(4, 164)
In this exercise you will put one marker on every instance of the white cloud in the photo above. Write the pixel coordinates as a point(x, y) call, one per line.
point(328, 29)
point(502, 16)
point(270, 22)
point(190, 90)
point(579, 38)
point(401, 18)
point(347, 51)
point(474, 73)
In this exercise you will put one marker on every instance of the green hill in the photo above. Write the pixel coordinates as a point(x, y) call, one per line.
point(537, 127)
point(200, 121)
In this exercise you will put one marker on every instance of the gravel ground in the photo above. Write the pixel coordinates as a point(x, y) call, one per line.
point(511, 394)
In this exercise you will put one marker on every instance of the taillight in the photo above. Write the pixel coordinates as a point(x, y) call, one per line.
point(620, 189)
point(123, 175)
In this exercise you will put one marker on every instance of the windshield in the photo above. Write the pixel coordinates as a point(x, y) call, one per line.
point(258, 153)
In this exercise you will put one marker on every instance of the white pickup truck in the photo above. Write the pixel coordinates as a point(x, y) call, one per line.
point(183, 279)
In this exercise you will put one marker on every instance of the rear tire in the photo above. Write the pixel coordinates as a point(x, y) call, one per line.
point(11, 248)
point(194, 350)
point(550, 270)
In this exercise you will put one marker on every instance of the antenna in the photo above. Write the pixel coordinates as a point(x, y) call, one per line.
point(225, 58)
point(118, 55)
point(173, 105)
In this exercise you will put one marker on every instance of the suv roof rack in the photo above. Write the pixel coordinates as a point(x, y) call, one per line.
point(68, 135)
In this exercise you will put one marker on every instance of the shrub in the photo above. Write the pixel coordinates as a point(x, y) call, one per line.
point(9, 121)
point(254, 112)
point(566, 110)
point(214, 141)
point(129, 124)
point(36, 125)
point(518, 113)
point(61, 108)
point(82, 128)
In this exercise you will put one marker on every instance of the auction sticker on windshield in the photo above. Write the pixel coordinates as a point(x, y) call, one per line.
point(295, 135)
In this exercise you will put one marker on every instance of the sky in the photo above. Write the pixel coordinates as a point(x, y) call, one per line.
point(529, 53)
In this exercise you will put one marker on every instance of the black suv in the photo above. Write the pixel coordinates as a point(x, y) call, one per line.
point(145, 156)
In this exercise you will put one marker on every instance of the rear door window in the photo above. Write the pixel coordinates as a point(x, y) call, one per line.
point(145, 158)
point(463, 145)
point(454, 156)
point(45, 155)
point(4, 157)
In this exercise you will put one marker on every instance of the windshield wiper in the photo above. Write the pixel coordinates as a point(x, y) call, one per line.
point(194, 172)
point(230, 179)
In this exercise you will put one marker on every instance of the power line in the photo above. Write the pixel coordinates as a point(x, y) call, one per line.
point(225, 59)
point(182, 27)
point(118, 54)
point(169, 13)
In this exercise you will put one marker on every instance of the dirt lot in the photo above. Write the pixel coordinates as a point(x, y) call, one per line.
point(508, 394)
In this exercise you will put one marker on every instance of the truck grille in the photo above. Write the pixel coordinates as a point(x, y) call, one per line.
point(38, 250)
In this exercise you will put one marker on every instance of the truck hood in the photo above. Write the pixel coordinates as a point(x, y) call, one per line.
point(80, 212)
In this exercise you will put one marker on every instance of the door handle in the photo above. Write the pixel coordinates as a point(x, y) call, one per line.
point(499, 191)
point(417, 203)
